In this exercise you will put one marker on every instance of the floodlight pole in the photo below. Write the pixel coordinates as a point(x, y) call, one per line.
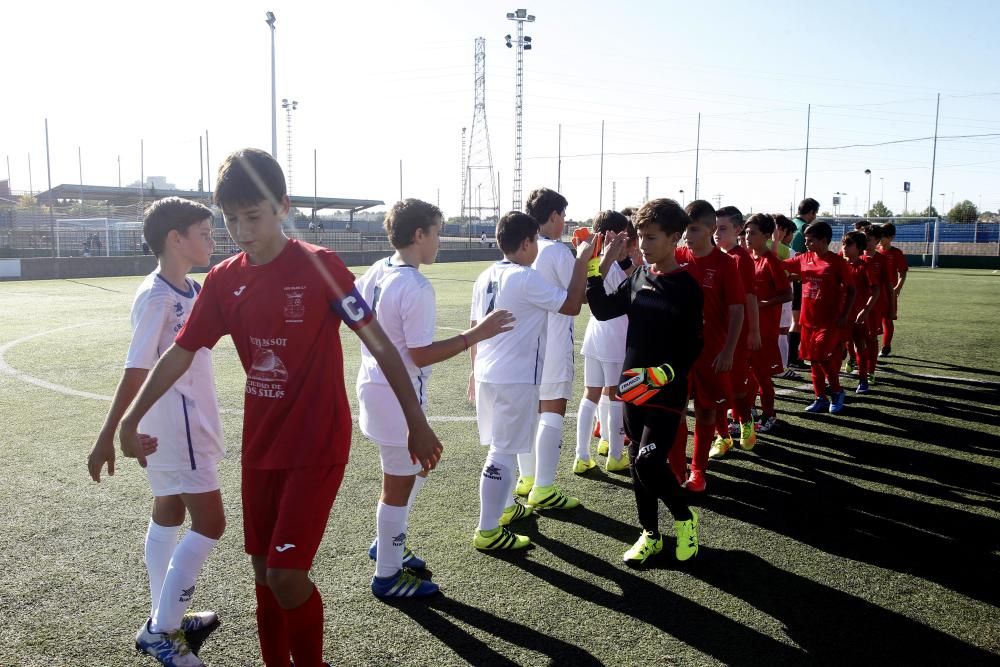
point(937, 222)
point(697, 154)
point(523, 44)
point(52, 216)
point(274, 96)
point(805, 176)
point(869, 173)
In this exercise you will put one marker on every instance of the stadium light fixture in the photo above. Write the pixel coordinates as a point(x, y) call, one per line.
point(523, 43)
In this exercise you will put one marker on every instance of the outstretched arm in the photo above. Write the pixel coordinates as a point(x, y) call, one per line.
point(497, 322)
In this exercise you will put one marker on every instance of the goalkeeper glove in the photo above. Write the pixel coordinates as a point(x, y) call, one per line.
point(641, 384)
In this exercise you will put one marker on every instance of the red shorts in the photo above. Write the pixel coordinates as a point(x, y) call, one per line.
point(710, 390)
point(285, 512)
point(766, 362)
point(819, 344)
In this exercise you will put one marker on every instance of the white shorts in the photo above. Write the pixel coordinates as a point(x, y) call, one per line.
point(396, 460)
point(176, 482)
point(379, 416)
point(786, 315)
point(597, 373)
point(507, 415)
point(550, 391)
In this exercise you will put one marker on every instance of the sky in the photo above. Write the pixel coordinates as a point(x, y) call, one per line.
point(380, 82)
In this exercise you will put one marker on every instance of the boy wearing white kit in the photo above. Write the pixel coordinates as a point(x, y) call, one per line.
point(507, 370)
point(603, 355)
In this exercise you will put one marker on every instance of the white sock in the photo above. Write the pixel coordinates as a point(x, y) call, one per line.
point(548, 446)
point(526, 464)
point(418, 483)
point(496, 488)
point(390, 522)
point(783, 347)
point(616, 429)
point(602, 414)
point(178, 585)
point(585, 427)
point(160, 544)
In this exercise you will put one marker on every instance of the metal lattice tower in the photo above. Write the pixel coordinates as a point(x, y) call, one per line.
point(289, 107)
point(479, 159)
point(523, 44)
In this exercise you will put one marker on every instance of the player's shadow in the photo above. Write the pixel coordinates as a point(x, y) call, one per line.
point(438, 617)
point(934, 364)
point(809, 499)
point(725, 639)
point(621, 480)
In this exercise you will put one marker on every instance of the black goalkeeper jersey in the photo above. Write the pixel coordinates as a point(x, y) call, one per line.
point(665, 321)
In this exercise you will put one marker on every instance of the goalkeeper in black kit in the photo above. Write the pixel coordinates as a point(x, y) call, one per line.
point(664, 307)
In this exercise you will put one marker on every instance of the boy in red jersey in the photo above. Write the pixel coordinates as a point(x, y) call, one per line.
point(880, 269)
point(773, 291)
point(867, 294)
point(897, 277)
point(827, 298)
point(282, 302)
point(728, 229)
point(724, 297)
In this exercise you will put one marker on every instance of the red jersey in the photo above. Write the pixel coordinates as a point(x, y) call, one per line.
point(769, 280)
point(745, 265)
point(825, 280)
point(284, 318)
point(880, 275)
point(864, 275)
point(896, 262)
point(721, 287)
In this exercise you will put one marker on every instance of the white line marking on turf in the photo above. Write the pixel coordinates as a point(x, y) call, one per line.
point(7, 369)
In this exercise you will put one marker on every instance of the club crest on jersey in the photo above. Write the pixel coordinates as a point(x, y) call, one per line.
point(295, 304)
point(178, 308)
point(709, 280)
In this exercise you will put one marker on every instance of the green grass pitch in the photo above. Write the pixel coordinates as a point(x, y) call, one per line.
point(870, 537)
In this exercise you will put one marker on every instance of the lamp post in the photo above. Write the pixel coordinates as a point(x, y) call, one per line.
point(523, 43)
point(682, 197)
point(289, 107)
point(795, 193)
point(868, 172)
point(274, 98)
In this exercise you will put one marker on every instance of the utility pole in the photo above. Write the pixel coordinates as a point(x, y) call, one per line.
point(805, 177)
point(646, 198)
point(600, 197)
point(697, 152)
point(559, 164)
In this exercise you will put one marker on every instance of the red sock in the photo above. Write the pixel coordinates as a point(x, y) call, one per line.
point(305, 631)
point(872, 353)
point(703, 432)
point(271, 629)
point(767, 395)
point(742, 407)
point(832, 368)
point(888, 328)
point(678, 451)
point(722, 422)
point(818, 379)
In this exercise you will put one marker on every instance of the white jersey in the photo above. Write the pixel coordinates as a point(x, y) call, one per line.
point(514, 357)
point(186, 419)
point(402, 300)
point(605, 341)
point(555, 263)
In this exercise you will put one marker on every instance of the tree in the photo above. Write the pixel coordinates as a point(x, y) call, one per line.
point(964, 211)
point(879, 210)
point(929, 212)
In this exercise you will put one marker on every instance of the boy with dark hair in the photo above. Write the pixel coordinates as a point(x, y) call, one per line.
point(555, 263)
point(282, 301)
point(880, 272)
point(866, 283)
point(897, 277)
point(808, 209)
point(603, 353)
point(663, 305)
point(724, 298)
point(773, 292)
point(185, 443)
point(403, 303)
point(827, 299)
point(728, 229)
point(508, 369)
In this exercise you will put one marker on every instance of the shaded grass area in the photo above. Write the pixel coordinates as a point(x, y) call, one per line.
point(869, 537)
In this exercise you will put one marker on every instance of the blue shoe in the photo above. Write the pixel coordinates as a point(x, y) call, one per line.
point(837, 405)
point(410, 559)
point(403, 584)
point(862, 387)
point(819, 405)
